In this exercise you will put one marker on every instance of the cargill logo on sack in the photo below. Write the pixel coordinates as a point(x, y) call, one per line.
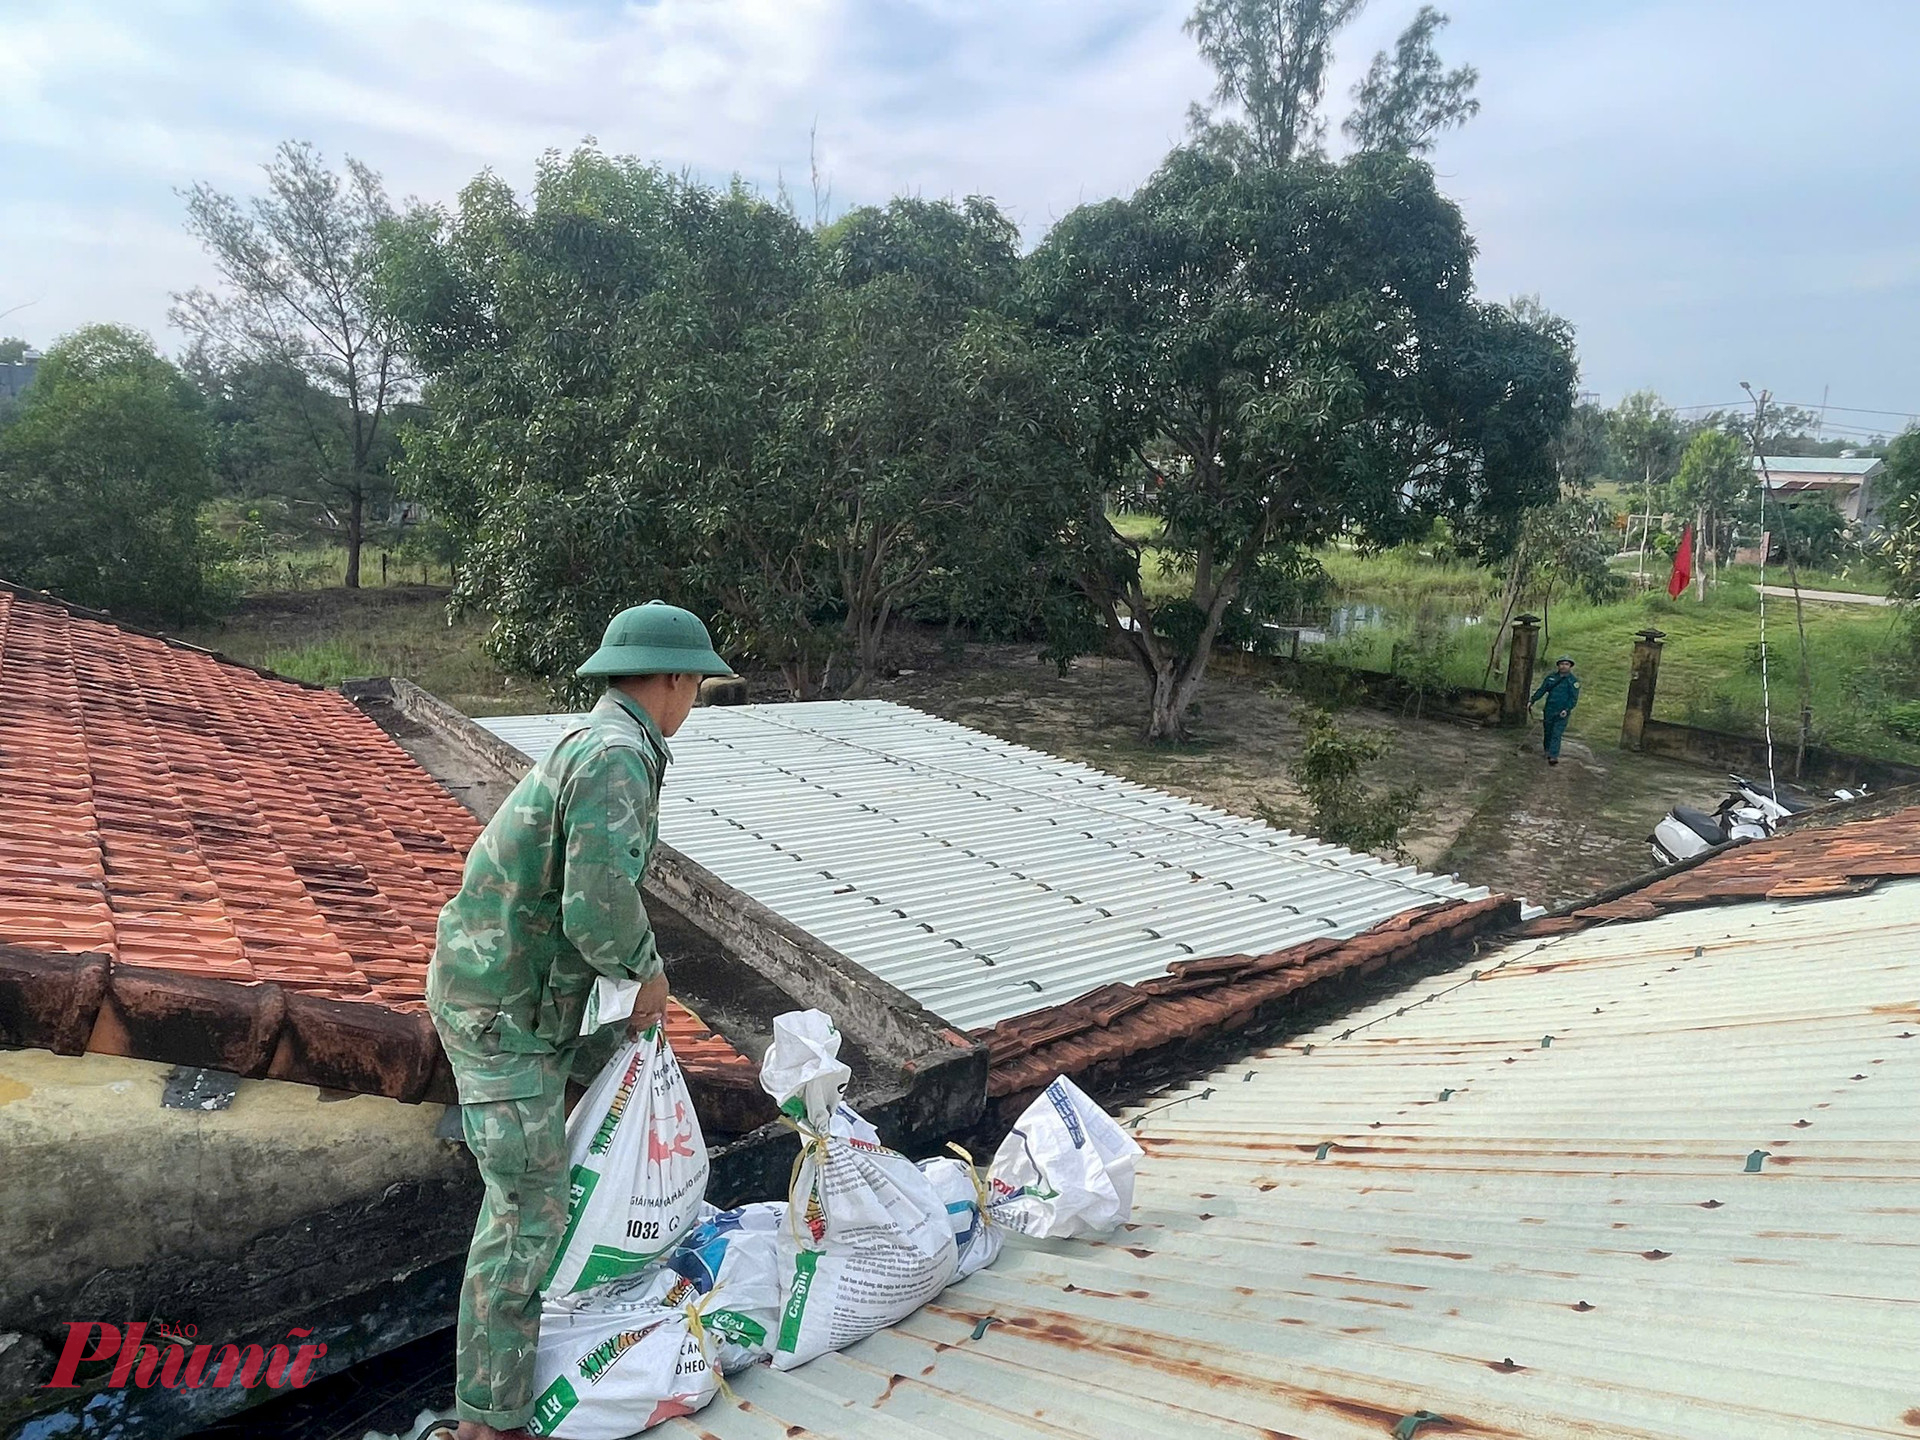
point(603, 1137)
point(172, 1356)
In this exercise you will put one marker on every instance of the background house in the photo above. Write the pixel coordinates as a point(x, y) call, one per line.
point(1846, 482)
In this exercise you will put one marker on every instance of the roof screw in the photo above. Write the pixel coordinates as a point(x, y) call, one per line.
point(1756, 1160)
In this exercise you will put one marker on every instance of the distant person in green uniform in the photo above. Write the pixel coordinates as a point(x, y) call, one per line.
point(1561, 690)
point(550, 903)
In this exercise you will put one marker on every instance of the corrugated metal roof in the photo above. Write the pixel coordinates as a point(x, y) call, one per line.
point(1818, 465)
point(1694, 1214)
point(986, 879)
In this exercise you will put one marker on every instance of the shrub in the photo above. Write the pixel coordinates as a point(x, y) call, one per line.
point(1346, 809)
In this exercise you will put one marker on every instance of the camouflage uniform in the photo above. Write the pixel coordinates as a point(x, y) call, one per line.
point(550, 901)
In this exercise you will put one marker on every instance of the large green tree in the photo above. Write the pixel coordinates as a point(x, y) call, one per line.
point(102, 476)
point(296, 307)
point(907, 433)
point(643, 386)
point(601, 366)
point(1277, 357)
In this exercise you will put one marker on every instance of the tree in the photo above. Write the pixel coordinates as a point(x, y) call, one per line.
point(1646, 437)
point(1714, 481)
point(907, 419)
point(13, 350)
point(1277, 357)
point(1407, 99)
point(102, 477)
point(1899, 487)
point(1270, 58)
point(603, 369)
point(297, 268)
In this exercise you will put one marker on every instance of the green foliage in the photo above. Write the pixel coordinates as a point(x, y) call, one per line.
point(1347, 810)
point(302, 367)
point(1420, 659)
point(1269, 59)
point(1714, 481)
point(1239, 339)
point(13, 350)
point(642, 387)
point(1645, 439)
point(1903, 719)
point(1900, 515)
point(1407, 99)
point(102, 477)
point(1811, 532)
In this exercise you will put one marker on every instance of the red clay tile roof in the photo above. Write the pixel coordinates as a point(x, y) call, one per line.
point(1826, 856)
point(189, 820)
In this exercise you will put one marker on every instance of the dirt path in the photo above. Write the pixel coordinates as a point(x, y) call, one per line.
point(1497, 814)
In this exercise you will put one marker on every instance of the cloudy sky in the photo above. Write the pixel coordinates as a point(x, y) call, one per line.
point(1711, 190)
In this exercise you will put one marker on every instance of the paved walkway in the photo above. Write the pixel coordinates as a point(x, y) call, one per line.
point(1828, 597)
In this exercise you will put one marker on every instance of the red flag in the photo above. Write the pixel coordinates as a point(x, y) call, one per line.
point(1682, 565)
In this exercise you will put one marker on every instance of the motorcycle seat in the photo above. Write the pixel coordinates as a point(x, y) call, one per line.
point(1706, 826)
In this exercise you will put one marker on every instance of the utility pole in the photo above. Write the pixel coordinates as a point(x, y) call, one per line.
point(1793, 579)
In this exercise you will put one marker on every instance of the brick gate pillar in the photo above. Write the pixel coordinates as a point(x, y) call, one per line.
point(1526, 640)
point(1641, 684)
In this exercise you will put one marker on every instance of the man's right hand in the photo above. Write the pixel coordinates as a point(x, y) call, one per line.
point(650, 1005)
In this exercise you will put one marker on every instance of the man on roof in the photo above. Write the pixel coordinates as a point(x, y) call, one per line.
point(550, 904)
point(1561, 691)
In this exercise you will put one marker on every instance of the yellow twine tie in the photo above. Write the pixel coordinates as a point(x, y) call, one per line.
point(812, 1142)
point(705, 1340)
point(973, 1174)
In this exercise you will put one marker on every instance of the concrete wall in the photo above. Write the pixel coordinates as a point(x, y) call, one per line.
point(1746, 755)
point(295, 1207)
point(1389, 692)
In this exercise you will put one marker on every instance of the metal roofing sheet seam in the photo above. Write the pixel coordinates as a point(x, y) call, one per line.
point(984, 878)
point(1559, 1240)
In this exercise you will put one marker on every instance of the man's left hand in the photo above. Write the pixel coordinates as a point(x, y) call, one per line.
point(650, 1005)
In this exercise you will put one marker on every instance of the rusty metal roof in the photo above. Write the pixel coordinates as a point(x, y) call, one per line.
point(1655, 1178)
point(986, 879)
point(181, 836)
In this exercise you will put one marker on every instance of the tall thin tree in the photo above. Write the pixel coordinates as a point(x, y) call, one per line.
point(296, 266)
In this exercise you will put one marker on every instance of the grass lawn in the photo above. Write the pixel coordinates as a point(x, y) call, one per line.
point(327, 636)
point(1710, 669)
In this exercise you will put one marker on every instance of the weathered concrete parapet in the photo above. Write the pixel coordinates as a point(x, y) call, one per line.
point(1641, 684)
point(1525, 644)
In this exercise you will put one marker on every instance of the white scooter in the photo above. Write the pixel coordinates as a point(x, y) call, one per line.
point(1751, 811)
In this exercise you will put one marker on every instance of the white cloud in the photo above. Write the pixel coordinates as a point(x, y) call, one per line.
point(1698, 184)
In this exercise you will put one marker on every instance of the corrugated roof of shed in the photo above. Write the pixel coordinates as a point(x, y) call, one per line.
point(1853, 466)
point(986, 879)
point(1651, 1179)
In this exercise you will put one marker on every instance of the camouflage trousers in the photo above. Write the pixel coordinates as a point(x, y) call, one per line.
point(521, 1148)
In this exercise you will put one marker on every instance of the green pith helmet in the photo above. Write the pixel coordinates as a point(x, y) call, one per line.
point(1564, 660)
point(655, 639)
